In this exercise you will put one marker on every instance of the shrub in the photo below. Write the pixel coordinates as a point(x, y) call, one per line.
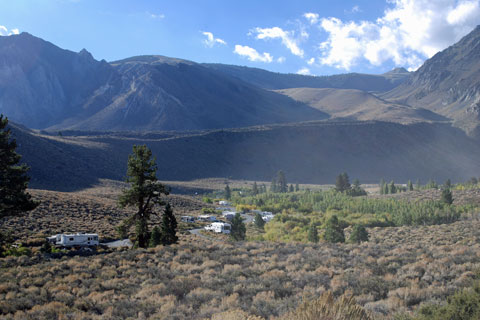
point(326, 307)
point(359, 234)
point(333, 231)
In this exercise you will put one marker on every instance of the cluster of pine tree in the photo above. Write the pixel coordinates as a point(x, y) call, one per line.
point(342, 184)
point(279, 184)
point(145, 193)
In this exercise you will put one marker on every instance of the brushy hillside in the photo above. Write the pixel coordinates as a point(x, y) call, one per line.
point(398, 270)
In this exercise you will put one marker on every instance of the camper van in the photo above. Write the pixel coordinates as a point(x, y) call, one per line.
point(219, 227)
point(74, 240)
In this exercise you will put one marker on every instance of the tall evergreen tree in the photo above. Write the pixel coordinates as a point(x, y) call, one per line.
point(145, 191)
point(448, 184)
point(273, 185)
point(297, 187)
point(447, 196)
point(333, 230)
point(359, 234)
point(14, 199)
point(228, 192)
point(382, 186)
point(392, 189)
point(155, 237)
point(417, 184)
point(259, 222)
point(238, 228)
point(410, 185)
point(290, 188)
point(255, 188)
point(342, 183)
point(168, 227)
point(386, 188)
point(313, 233)
point(281, 182)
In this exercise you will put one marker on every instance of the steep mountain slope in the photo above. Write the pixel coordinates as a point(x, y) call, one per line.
point(359, 105)
point(43, 86)
point(312, 152)
point(271, 80)
point(159, 93)
point(448, 83)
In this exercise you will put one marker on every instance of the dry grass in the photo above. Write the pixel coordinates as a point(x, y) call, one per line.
point(396, 271)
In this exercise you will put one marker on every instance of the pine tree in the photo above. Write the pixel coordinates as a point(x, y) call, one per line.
point(264, 188)
point(297, 187)
point(238, 228)
point(448, 184)
point(447, 196)
point(417, 184)
point(155, 237)
point(228, 192)
point(145, 191)
point(392, 189)
point(359, 234)
point(281, 182)
point(168, 227)
point(313, 233)
point(382, 186)
point(386, 189)
point(273, 185)
point(255, 188)
point(333, 230)
point(410, 185)
point(259, 222)
point(291, 189)
point(14, 199)
point(342, 183)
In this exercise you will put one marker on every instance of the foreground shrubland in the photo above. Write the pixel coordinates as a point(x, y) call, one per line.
point(397, 271)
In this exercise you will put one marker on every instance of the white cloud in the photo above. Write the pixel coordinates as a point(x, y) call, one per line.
point(311, 61)
point(281, 60)
point(211, 40)
point(155, 15)
point(304, 71)
point(252, 54)
point(5, 32)
point(407, 34)
point(311, 17)
point(287, 38)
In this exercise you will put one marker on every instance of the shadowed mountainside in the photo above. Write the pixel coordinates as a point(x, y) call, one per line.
point(313, 152)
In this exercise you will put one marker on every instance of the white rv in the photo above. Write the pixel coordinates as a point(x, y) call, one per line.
point(219, 227)
point(74, 240)
point(207, 218)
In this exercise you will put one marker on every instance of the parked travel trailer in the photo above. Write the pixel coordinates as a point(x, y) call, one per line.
point(219, 227)
point(229, 215)
point(224, 203)
point(74, 240)
point(207, 218)
point(189, 219)
point(267, 216)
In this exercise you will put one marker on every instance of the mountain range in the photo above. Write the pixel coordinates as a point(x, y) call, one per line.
point(70, 113)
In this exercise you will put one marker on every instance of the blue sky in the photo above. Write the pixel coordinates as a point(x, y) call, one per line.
point(311, 37)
